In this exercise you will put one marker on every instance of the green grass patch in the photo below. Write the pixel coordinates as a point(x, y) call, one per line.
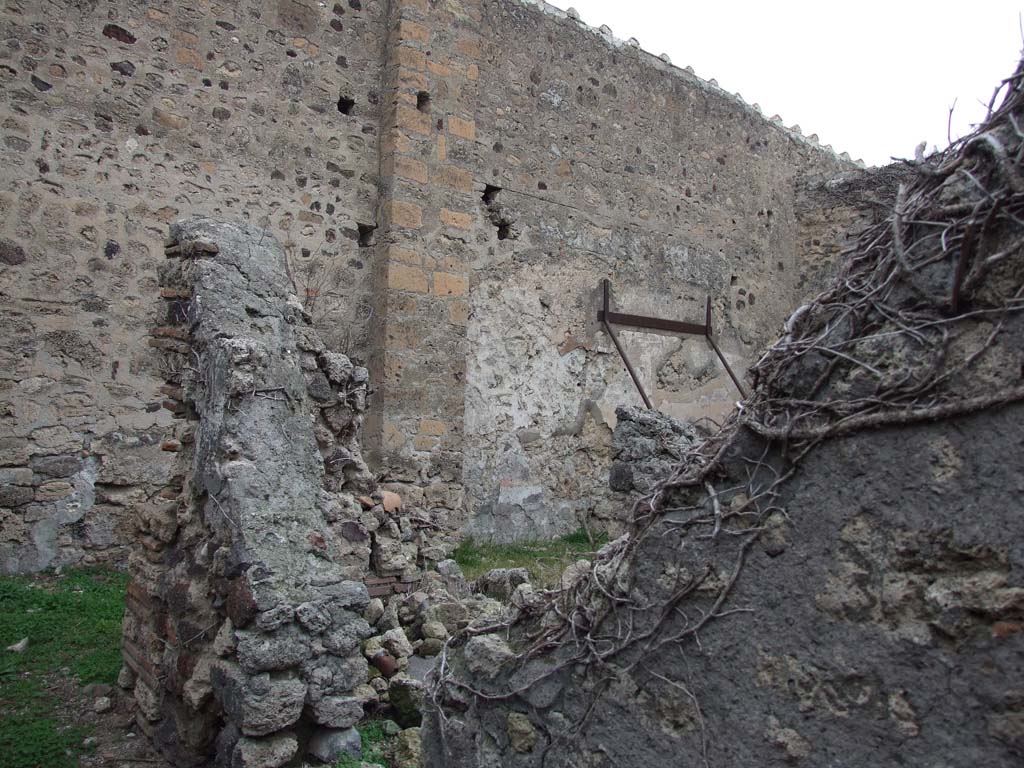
point(72, 623)
point(544, 560)
point(375, 746)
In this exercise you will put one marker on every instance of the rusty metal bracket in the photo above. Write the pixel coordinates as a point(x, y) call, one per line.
point(607, 317)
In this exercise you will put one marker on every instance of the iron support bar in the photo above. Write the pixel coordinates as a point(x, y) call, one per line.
point(622, 353)
point(654, 323)
point(728, 369)
point(607, 317)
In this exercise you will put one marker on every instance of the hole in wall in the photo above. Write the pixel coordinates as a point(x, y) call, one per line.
point(423, 101)
point(501, 217)
point(346, 105)
point(366, 234)
point(490, 193)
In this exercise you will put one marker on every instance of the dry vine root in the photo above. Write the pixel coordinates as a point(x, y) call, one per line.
point(910, 331)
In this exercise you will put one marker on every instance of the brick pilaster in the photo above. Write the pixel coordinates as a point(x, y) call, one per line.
point(428, 209)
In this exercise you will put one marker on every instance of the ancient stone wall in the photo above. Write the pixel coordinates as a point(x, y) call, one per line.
point(243, 624)
point(523, 175)
point(448, 200)
point(118, 117)
point(830, 578)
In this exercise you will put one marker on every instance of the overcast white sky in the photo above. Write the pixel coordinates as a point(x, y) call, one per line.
point(870, 78)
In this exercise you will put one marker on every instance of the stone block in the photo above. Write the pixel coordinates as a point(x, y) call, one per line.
point(411, 58)
point(432, 427)
point(411, 169)
point(270, 752)
point(456, 219)
point(404, 255)
point(169, 119)
point(406, 215)
point(16, 476)
point(15, 495)
point(266, 651)
point(462, 128)
point(458, 313)
point(406, 278)
point(257, 704)
point(338, 711)
point(329, 745)
point(438, 69)
point(469, 47)
point(448, 284)
point(54, 490)
point(344, 639)
point(454, 177)
point(410, 30)
point(411, 119)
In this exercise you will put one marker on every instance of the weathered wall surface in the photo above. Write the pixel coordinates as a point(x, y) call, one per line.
point(881, 626)
point(242, 629)
point(831, 578)
point(116, 118)
point(365, 135)
point(611, 163)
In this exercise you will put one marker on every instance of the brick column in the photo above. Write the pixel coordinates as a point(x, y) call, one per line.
point(428, 208)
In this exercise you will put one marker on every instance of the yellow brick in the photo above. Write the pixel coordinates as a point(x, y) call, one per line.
point(394, 141)
point(424, 443)
point(432, 427)
point(469, 47)
point(412, 119)
point(456, 178)
point(419, 5)
point(456, 219)
point(465, 129)
point(408, 168)
point(189, 57)
point(158, 16)
point(408, 215)
point(403, 254)
point(405, 338)
point(394, 440)
point(410, 30)
point(447, 284)
point(442, 148)
point(407, 57)
point(458, 312)
point(439, 69)
point(393, 368)
point(473, 72)
point(415, 81)
point(185, 38)
point(404, 278)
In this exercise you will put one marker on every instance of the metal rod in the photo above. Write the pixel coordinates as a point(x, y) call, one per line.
point(622, 352)
point(728, 369)
point(653, 323)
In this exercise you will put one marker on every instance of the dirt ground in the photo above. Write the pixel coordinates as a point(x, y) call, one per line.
point(117, 741)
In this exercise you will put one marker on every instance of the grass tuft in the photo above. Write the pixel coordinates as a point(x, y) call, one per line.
point(544, 560)
point(375, 745)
